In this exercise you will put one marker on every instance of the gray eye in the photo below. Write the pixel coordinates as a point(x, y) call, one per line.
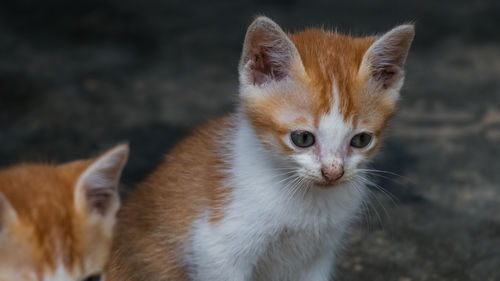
point(302, 138)
point(361, 140)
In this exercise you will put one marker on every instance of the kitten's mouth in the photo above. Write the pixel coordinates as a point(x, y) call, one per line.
point(325, 183)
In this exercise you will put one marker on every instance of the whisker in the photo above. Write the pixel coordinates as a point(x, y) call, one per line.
point(379, 171)
point(291, 187)
point(387, 193)
point(374, 208)
point(287, 178)
point(378, 175)
point(384, 209)
point(286, 169)
point(365, 210)
point(384, 191)
point(385, 175)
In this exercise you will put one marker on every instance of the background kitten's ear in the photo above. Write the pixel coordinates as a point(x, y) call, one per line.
point(268, 54)
point(97, 188)
point(386, 57)
point(7, 212)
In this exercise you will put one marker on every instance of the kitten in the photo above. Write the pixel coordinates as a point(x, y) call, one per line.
point(56, 222)
point(269, 193)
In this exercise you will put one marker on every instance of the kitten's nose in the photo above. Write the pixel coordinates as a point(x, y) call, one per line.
point(332, 172)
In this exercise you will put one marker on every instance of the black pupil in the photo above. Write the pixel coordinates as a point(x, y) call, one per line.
point(95, 277)
point(302, 138)
point(361, 140)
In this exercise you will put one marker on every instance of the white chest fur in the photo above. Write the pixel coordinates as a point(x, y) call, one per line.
point(268, 232)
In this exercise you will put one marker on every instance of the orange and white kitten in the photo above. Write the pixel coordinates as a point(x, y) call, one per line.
point(269, 193)
point(56, 222)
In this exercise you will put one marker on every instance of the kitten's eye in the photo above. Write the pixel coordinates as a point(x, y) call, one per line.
point(95, 277)
point(302, 138)
point(361, 140)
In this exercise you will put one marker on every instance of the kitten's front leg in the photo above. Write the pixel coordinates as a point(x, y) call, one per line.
point(223, 253)
point(225, 271)
point(217, 266)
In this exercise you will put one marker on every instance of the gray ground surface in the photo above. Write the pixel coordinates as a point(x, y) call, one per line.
point(76, 78)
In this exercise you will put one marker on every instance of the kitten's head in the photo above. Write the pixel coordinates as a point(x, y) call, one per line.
point(321, 99)
point(56, 222)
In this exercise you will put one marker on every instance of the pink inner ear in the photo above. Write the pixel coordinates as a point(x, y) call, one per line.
point(6, 210)
point(267, 53)
point(265, 68)
point(387, 75)
point(100, 199)
point(386, 57)
point(98, 185)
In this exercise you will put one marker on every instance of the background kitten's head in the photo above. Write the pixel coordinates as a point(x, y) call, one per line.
point(56, 222)
point(321, 99)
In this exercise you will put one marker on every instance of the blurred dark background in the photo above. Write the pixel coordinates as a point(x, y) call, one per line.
point(78, 77)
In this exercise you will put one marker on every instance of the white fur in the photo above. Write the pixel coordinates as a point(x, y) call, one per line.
point(60, 274)
point(273, 228)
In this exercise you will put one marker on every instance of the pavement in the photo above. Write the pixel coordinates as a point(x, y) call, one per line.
point(78, 77)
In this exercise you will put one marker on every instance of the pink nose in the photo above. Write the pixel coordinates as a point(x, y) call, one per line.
point(332, 172)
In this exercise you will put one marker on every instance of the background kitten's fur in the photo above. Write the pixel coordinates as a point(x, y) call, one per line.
point(56, 222)
point(240, 199)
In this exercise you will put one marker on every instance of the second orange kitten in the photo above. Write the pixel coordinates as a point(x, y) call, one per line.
point(56, 222)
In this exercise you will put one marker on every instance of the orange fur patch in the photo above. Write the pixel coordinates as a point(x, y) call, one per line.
point(48, 229)
point(327, 56)
point(42, 196)
point(154, 221)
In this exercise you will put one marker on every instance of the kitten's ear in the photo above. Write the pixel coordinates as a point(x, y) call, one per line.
point(7, 212)
point(268, 54)
point(385, 58)
point(97, 188)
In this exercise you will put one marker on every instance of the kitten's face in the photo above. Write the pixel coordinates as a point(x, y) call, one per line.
point(321, 100)
point(56, 222)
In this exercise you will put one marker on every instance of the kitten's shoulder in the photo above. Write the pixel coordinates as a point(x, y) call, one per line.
point(191, 171)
